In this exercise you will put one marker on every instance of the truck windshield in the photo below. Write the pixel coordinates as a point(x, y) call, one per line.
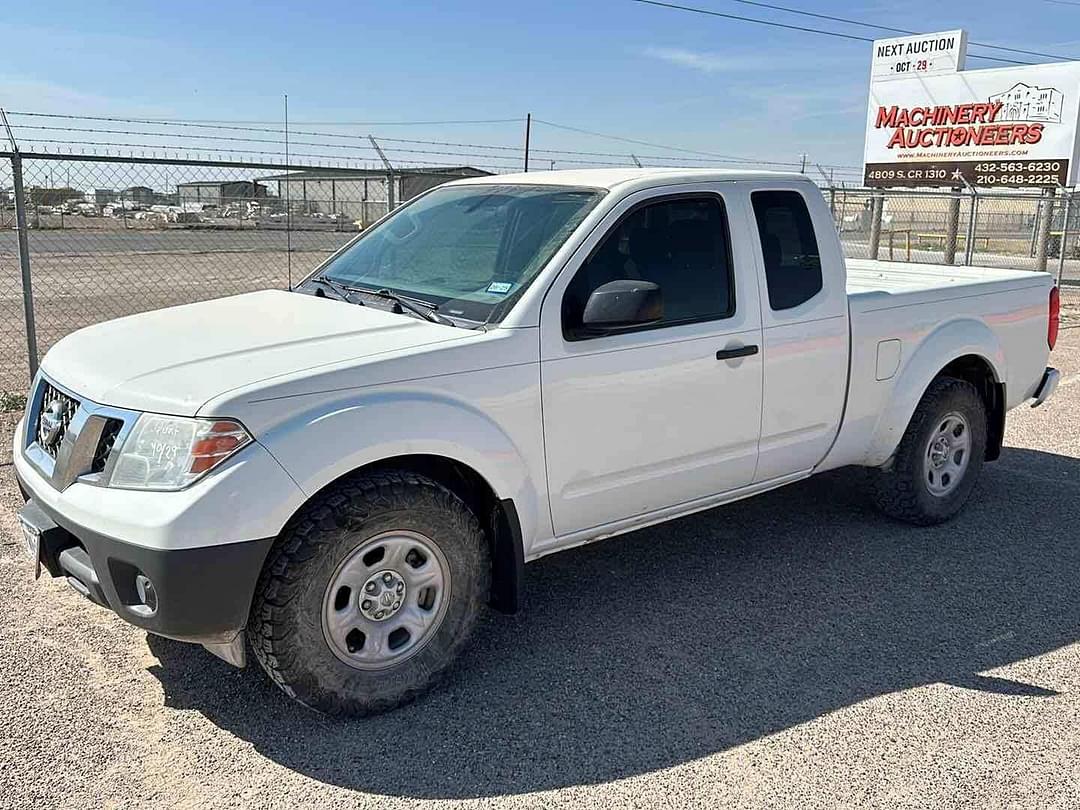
point(471, 250)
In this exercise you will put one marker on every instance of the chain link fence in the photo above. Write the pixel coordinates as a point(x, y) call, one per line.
point(117, 236)
point(999, 229)
point(112, 236)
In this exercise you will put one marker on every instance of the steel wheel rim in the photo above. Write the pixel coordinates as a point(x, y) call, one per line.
point(947, 454)
point(385, 600)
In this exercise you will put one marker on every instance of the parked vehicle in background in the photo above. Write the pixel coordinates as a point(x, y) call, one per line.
point(505, 367)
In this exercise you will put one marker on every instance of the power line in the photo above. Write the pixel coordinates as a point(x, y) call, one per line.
point(718, 157)
point(849, 21)
point(800, 28)
point(211, 121)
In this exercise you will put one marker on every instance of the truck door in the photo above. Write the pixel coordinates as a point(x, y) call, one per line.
point(662, 414)
point(805, 324)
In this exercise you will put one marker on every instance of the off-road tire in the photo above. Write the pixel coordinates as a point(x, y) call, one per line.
point(285, 627)
point(900, 489)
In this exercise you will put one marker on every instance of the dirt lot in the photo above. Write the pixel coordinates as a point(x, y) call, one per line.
point(792, 650)
point(81, 278)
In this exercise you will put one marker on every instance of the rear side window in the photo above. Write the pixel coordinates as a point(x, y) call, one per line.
point(789, 247)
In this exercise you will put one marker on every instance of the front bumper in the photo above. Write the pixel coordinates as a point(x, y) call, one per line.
point(202, 548)
point(200, 595)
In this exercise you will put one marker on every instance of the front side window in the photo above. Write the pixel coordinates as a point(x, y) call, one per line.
point(788, 246)
point(679, 244)
point(469, 249)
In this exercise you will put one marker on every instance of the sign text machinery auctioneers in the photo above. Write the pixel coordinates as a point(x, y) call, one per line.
point(1007, 127)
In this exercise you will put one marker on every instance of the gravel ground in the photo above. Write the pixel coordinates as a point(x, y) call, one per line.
point(792, 650)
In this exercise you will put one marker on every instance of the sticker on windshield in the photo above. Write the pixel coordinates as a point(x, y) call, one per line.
point(501, 287)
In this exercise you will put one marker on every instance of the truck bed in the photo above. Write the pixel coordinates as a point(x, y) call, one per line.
point(904, 318)
point(873, 284)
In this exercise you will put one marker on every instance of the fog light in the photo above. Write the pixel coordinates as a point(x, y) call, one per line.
point(147, 595)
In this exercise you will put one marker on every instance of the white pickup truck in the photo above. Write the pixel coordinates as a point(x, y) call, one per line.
point(505, 367)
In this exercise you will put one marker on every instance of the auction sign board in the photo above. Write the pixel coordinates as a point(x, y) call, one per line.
point(997, 128)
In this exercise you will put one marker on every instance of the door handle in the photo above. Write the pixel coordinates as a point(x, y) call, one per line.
point(741, 351)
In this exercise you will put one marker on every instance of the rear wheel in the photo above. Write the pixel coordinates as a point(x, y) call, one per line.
point(370, 593)
point(939, 458)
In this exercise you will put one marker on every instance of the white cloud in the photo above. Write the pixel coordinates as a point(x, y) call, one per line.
point(703, 61)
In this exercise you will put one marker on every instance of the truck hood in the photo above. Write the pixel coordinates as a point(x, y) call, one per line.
point(174, 360)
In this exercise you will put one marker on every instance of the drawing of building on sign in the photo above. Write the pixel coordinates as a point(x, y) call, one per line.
point(1022, 102)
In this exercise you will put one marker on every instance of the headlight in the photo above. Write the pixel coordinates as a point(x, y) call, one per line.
point(171, 452)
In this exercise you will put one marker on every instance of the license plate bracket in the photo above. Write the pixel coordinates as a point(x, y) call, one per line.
point(31, 543)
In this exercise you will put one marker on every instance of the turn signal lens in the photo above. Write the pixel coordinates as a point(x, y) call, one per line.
point(1054, 322)
point(171, 452)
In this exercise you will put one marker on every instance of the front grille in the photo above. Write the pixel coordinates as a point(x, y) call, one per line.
point(106, 444)
point(55, 413)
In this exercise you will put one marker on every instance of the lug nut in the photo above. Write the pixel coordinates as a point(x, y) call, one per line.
point(387, 578)
point(370, 587)
point(379, 614)
point(366, 604)
point(400, 587)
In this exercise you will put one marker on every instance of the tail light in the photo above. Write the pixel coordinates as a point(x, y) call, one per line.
point(1054, 321)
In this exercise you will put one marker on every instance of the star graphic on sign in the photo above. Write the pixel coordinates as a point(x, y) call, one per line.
point(957, 175)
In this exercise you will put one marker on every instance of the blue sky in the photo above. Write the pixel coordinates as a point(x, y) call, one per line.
point(609, 65)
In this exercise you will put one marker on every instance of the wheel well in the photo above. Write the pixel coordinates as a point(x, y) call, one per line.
point(498, 518)
point(977, 371)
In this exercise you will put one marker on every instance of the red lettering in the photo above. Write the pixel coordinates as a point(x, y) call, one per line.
point(886, 118)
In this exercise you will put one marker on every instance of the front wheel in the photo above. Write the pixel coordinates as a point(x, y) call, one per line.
point(370, 593)
point(939, 458)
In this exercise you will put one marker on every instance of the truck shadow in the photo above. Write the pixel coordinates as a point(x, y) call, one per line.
point(683, 640)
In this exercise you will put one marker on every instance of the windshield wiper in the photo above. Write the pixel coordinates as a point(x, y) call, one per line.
point(340, 290)
point(403, 302)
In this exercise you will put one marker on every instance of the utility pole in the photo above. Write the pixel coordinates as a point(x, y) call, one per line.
point(528, 132)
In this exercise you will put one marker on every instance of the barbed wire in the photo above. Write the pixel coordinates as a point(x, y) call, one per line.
point(707, 156)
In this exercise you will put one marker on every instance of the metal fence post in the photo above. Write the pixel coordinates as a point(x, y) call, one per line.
point(24, 263)
point(877, 204)
point(1064, 238)
point(952, 225)
point(390, 180)
point(969, 248)
point(1046, 207)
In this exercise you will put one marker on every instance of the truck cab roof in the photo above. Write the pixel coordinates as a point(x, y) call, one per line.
point(617, 178)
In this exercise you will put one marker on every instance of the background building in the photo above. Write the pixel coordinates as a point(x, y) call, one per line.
point(360, 194)
point(219, 192)
point(139, 195)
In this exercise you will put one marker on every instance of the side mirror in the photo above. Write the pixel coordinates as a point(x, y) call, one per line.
point(622, 304)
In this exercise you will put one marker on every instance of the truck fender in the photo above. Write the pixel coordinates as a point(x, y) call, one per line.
point(320, 445)
point(950, 341)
